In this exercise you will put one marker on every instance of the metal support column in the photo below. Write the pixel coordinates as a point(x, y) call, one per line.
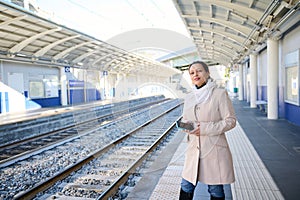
point(253, 80)
point(241, 80)
point(272, 78)
point(63, 85)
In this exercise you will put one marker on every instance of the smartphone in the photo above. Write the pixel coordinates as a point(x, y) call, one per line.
point(183, 125)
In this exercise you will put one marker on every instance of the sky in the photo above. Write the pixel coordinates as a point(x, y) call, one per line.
point(104, 19)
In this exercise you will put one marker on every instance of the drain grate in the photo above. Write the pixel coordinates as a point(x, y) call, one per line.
point(297, 149)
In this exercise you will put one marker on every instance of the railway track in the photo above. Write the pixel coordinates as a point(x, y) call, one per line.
point(19, 150)
point(124, 136)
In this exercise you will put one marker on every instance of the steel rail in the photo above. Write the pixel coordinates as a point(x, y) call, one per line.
point(52, 144)
point(32, 192)
point(124, 177)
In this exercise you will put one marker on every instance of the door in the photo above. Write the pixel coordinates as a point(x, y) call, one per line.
point(16, 98)
point(16, 82)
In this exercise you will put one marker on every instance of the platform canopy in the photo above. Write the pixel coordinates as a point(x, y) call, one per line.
point(26, 37)
point(227, 31)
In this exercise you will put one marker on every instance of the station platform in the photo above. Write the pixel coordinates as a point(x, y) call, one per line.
point(266, 161)
point(8, 118)
point(23, 125)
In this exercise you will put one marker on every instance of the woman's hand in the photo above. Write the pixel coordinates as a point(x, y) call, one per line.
point(196, 131)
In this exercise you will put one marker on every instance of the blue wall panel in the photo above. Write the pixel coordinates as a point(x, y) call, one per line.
point(76, 96)
point(113, 92)
point(292, 113)
point(259, 92)
point(91, 95)
point(6, 101)
point(264, 93)
point(281, 103)
point(48, 102)
point(285, 110)
point(98, 95)
point(45, 102)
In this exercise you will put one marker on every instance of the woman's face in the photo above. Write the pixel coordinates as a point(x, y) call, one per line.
point(198, 74)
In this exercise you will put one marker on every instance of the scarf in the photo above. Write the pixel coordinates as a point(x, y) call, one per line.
point(204, 93)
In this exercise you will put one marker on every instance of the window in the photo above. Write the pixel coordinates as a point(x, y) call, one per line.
point(292, 77)
point(36, 89)
point(51, 86)
point(43, 86)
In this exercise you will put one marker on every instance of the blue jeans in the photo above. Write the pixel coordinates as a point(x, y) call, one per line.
point(214, 190)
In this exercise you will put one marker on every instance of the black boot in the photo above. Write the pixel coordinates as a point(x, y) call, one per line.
point(216, 198)
point(185, 196)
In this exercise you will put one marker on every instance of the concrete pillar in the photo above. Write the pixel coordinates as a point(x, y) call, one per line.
point(272, 78)
point(104, 84)
point(121, 86)
point(234, 86)
point(63, 87)
point(241, 80)
point(110, 83)
point(253, 80)
point(1, 72)
point(84, 73)
point(246, 82)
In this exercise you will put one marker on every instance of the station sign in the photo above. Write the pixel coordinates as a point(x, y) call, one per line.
point(67, 69)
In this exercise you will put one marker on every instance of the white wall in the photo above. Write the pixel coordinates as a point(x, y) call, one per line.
point(290, 43)
point(262, 69)
point(28, 71)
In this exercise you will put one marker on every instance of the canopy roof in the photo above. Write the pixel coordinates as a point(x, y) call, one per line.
point(227, 31)
point(26, 37)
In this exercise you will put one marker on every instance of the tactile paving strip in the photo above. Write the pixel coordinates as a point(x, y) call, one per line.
point(253, 181)
point(168, 187)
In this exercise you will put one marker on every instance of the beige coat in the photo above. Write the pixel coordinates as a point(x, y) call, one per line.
point(216, 116)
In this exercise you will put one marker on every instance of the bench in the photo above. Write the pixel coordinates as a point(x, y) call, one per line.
point(263, 105)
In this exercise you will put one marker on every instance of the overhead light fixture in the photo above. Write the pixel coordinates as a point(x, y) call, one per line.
point(21, 55)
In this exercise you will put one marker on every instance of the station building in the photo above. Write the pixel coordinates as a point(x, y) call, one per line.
point(252, 48)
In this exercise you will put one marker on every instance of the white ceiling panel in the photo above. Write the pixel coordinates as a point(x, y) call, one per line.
point(29, 38)
point(227, 31)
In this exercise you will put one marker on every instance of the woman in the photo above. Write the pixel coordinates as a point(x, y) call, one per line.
point(208, 157)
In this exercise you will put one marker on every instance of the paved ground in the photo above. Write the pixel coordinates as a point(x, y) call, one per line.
point(277, 142)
